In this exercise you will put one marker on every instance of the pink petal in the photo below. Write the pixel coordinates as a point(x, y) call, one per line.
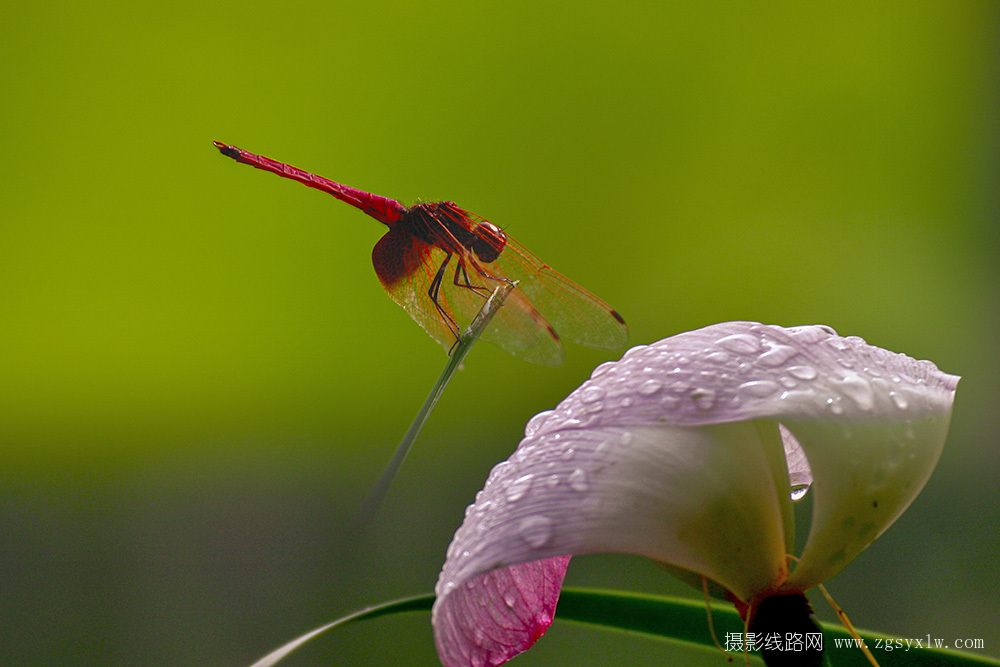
point(495, 616)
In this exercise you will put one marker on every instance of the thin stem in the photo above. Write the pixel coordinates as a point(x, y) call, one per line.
point(458, 354)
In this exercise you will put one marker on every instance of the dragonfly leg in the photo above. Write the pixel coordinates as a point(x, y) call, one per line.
point(433, 293)
point(461, 279)
point(482, 272)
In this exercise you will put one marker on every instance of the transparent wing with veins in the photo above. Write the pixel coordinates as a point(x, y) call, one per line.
point(407, 266)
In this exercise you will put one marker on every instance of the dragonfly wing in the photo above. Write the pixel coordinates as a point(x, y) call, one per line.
point(517, 327)
point(575, 313)
point(401, 262)
point(406, 267)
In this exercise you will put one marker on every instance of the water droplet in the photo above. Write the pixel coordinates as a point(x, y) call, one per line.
point(835, 406)
point(787, 382)
point(497, 471)
point(536, 530)
point(838, 344)
point(798, 492)
point(668, 402)
point(899, 399)
point(777, 355)
point(591, 394)
point(859, 391)
point(803, 372)
point(740, 343)
point(578, 480)
point(717, 357)
point(650, 387)
point(536, 422)
point(510, 597)
point(759, 388)
point(516, 490)
point(625, 438)
point(626, 402)
point(703, 398)
point(602, 369)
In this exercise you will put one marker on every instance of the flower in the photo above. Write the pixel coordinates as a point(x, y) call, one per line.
point(689, 451)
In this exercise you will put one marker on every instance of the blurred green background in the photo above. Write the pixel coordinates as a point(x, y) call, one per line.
point(200, 376)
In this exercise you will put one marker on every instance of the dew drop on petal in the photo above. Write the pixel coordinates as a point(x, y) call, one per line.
point(835, 405)
point(602, 369)
point(899, 399)
point(803, 372)
point(799, 491)
point(536, 530)
point(717, 357)
point(578, 480)
point(838, 344)
point(759, 388)
point(510, 597)
point(536, 422)
point(625, 438)
point(592, 394)
point(777, 355)
point(858, 391)
point(703, 398)
point(740, 344)
point(516, 490)
point(650, 387)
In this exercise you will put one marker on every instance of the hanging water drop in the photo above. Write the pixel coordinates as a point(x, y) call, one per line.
point(899, 399)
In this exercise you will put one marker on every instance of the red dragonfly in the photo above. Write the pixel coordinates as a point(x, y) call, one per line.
point(412, 262)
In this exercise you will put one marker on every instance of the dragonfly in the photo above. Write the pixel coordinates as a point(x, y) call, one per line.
point(440, 263)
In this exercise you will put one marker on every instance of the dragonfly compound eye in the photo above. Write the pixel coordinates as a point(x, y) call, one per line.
point(489, 241)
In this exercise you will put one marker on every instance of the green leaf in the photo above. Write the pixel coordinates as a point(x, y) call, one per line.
point(681, 620)
point(671, 619)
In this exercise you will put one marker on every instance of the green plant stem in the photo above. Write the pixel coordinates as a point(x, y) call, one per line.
point(458, 354)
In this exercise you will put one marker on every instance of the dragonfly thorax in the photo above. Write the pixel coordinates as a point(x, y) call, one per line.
point(445, 225)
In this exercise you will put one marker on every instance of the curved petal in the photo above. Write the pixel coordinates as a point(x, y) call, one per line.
point(498, 614)
point(745, 370)
point(702, 499)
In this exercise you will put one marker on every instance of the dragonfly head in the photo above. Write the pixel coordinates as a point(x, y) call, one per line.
point(488, 242)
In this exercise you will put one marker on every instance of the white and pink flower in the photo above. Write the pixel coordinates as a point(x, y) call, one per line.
point(689, 451)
